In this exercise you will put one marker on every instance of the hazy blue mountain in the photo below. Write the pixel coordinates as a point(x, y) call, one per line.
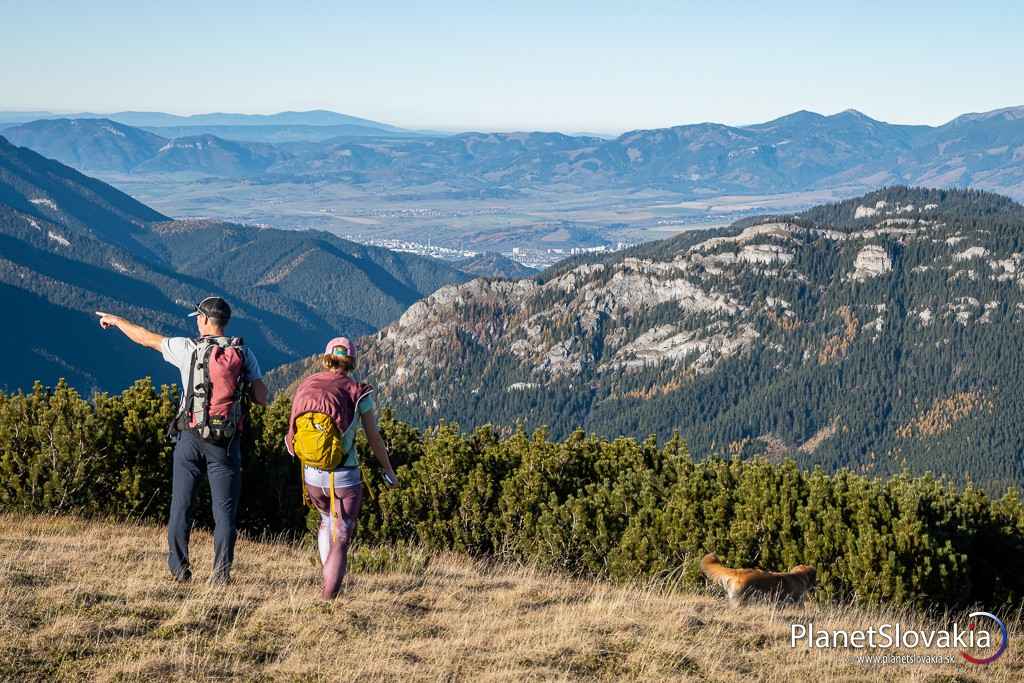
point(278, 133)
point(71, 245)
point(801, 151)
point(984, 150)
point(105, 145)
point(212, 155)
point(475, 160)
point(8, 118)
point(95, 144)
point(319, 117)
point(143, 119)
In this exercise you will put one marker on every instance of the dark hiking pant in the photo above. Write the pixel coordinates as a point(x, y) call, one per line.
point(222, 465)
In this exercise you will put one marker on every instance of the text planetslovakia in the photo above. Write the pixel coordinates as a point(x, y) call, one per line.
point(887, 636)
point(895, 635)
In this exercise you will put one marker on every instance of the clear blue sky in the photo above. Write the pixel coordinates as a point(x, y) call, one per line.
point(570, 66)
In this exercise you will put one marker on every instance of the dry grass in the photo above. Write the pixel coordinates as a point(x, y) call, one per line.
point(89, 600)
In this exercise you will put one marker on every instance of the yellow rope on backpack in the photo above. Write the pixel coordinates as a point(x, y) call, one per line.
point(334, 515)
point(302, 482)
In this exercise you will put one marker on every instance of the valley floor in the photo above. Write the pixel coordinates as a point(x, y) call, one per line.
point(82, 599)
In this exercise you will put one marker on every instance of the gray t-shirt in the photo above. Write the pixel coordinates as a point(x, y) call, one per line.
point(178, 352)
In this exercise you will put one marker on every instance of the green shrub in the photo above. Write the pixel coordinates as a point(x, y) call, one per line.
point(617, 509)
point(59, 452)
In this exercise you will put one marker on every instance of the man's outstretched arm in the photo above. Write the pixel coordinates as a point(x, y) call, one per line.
point(137, 333)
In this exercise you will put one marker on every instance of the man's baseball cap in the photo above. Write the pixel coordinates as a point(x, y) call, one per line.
point(340, 346)
point(213, 307)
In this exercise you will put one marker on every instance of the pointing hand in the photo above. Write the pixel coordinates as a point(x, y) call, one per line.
point(107, 320)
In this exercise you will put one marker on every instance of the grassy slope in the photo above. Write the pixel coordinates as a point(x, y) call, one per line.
point(91, 600)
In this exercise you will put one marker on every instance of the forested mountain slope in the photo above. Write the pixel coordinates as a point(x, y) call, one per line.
point(72, 245)
point(105, 145)
point(88, 144)
point(877, 333)
point(494, 264)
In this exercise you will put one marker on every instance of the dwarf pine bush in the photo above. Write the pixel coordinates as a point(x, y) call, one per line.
point(618, 509)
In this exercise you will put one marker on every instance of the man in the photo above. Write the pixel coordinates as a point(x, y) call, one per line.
point(192, 452)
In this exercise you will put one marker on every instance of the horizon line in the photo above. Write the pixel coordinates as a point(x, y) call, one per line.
point(451, 128)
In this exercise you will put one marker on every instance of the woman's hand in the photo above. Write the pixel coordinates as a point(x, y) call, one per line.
point(380, 451)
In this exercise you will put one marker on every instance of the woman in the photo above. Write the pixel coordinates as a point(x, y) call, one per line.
point(331, 398)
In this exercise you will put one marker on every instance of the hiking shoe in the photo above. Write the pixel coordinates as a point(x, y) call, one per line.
point(183, 576)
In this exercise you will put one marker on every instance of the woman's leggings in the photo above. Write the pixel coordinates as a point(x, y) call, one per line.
point(334, 552)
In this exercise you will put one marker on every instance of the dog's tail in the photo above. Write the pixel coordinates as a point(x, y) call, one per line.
point(718, 574)
point(707, 562)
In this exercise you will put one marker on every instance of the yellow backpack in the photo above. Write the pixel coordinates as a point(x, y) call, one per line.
point(317, 442)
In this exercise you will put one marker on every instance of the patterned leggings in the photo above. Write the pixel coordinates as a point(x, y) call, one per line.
point(334, 555)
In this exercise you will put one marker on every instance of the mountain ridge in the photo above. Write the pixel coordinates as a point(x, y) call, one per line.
point(279, 133)
point(803, 151)
point(874, 333)
point(313, 117)
point(72, 245)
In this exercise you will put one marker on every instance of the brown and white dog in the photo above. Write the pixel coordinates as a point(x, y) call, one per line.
point(743, 584)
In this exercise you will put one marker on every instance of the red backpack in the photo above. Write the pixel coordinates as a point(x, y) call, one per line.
point(214, 407)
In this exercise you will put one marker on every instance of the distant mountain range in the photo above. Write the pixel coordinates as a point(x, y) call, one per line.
point(290, 126)
point(280, 133)
point(71, 245)
point(878, 333)
point(211, 155)
point(92, 144)
point(802, 151)
point(103, 145)
point(142, 119)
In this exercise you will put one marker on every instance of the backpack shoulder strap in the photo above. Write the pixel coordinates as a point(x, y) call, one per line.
point(182, 420)
point(190, 396)
point(201, 385)
point(364, 391)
